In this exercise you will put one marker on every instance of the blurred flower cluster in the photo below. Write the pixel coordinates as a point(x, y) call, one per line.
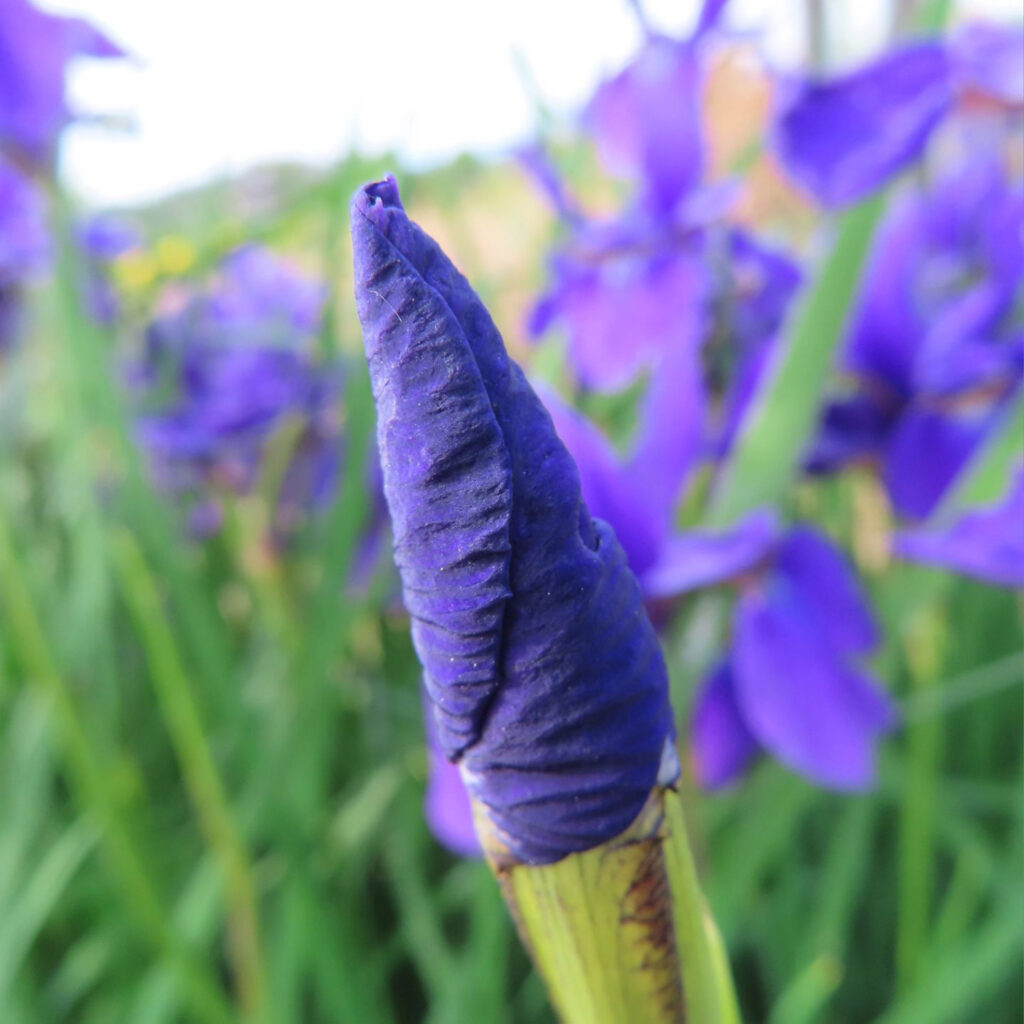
point(232, 397)
point(35, 50)
point(677, 295)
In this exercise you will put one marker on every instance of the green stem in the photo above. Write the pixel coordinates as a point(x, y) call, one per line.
point(181, 713)
point(772, 442)
point(95, 791)
point(621, 933)
point(90, 368)
point(917, 835)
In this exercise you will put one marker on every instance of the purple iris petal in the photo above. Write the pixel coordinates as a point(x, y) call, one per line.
point(888, 321)
point(625, 299)
point(852, 429)
point(723, 745)
point(447, 807)
point(35, 49)
point(987, 543)
point(24, 243)
point(927, 451)
point(696, 559)
point(541, 667)
point(647, 122)
point(817, 576)
point(801, 699)
point(844, 138)
point(673, 419)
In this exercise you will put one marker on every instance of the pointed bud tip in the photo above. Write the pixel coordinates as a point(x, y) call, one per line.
point(377, 196)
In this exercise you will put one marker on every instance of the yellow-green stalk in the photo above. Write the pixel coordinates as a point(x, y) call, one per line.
point(621, 933)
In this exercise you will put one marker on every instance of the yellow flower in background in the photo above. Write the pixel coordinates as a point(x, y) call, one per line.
point(175, 255)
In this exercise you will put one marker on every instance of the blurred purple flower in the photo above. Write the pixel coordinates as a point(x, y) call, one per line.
point(103, 239)
point(24, 245)
point(106, 237)
point(845, 137)
point(222, 376)
point(446, 805)
point(987, 543)
point(647, 120)
point(790, 685)
point(937, 343)
point(35, 49)
point(631, 288)
point(627, 293)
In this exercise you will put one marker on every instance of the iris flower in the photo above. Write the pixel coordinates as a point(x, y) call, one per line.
point(542, 672)
point(936, 347)
point(630, 288)
point(647, 120)
point(221, 375)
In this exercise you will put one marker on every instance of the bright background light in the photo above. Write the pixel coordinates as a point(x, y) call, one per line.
point(217, 86)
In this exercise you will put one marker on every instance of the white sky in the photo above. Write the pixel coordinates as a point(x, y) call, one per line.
point(219, 85)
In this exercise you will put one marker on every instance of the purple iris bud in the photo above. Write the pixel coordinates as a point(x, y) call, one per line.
point(541, 668)
point(223, 375)
point(791, 685)
point(24, 245)
point(843, 138)
point(936, 347)
point(35, 49)
point(986, 543)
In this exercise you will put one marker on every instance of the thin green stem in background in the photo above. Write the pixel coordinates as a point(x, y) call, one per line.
point(96, 791)
point(93, 368)
point(773, 439)
point(917, 833)
point(181, 714)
